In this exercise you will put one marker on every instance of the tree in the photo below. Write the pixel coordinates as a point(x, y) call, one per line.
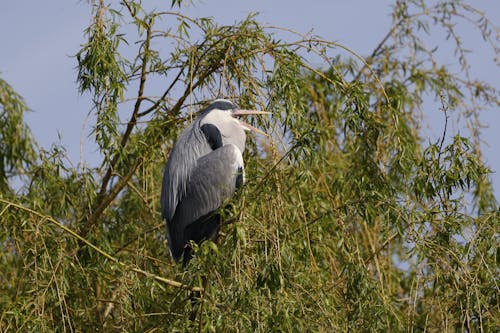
point(350, 220)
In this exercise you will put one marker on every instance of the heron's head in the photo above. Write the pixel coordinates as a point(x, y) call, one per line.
point(225, 116)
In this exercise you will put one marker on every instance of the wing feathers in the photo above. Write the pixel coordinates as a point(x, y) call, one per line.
point(212, 182)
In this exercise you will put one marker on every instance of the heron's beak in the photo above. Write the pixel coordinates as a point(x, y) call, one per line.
point(247, 113)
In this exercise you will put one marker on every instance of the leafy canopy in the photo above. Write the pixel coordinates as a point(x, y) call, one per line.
point(351, 219)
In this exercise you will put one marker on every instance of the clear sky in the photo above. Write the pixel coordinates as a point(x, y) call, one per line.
point(40, 38)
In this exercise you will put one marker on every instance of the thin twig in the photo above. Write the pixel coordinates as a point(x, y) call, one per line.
point(379, 47)
point(377, 251)
point(124, 246)
point(444, 107)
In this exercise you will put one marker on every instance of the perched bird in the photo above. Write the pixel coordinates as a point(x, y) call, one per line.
point(204, 169)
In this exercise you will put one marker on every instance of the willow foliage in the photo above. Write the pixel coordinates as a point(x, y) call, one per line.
point(351, 219)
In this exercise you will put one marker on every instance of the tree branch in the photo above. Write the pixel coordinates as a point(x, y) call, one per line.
point(81, 239)
point(104, 203)
point(133, 119)
point(157, 103)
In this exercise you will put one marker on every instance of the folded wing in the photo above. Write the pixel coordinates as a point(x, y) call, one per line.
point(213, 181)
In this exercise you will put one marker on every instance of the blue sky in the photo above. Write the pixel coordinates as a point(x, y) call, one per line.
point(40, 38)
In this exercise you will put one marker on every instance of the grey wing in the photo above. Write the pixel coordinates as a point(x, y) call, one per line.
point(213, 181)
point(190, 145)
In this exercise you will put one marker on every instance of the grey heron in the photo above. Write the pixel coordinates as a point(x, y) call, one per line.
point(204, 169)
